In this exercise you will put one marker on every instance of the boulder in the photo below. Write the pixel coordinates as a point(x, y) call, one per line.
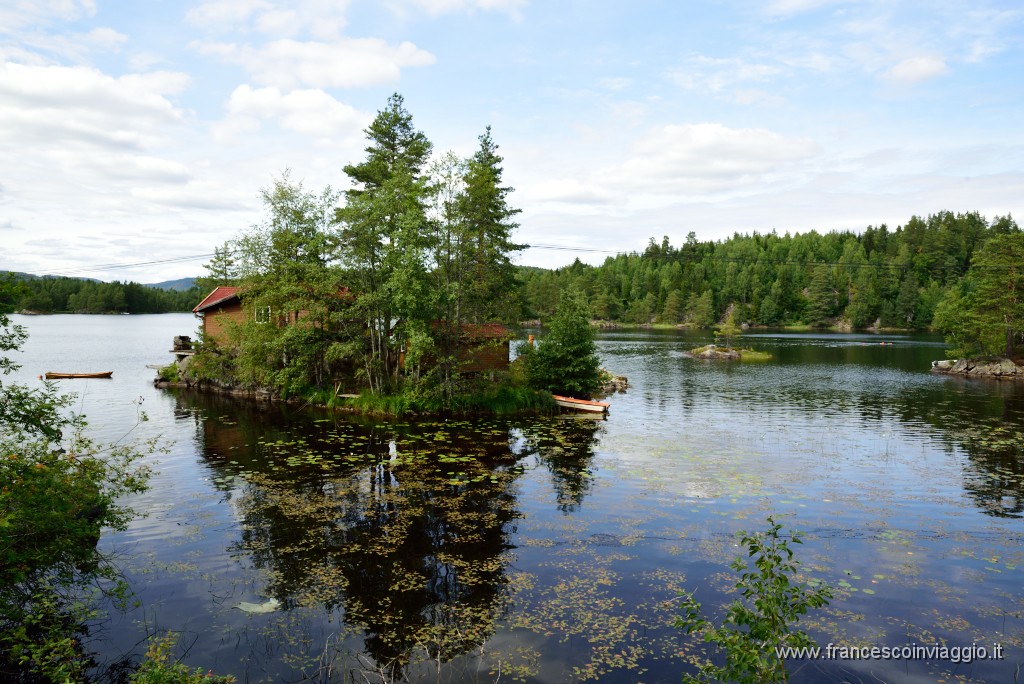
point(983, 368)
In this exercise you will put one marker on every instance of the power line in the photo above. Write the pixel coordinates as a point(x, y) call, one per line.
point(197, 257)
point(679, 255)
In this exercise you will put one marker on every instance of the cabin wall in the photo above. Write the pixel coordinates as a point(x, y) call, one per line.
point(489, 357)
point(215, 321)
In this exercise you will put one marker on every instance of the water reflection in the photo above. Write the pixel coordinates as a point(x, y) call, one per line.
point(430, 547)
point(401, 531)
point(566, 447)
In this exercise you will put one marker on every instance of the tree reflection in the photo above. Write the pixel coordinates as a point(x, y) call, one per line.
point(995, 477)
point(566, 448)
point(408, 543)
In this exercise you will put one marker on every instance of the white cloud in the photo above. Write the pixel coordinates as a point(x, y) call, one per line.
point(616, 83)
point(728, 78)
point(322, 19)
point(56, 105)
point(17, 14)
point(309, 112)
point(345, 63)
point(707, 157)
point(915, 70)
point(438, 7)
point(787, 8)
point(568, 191)
point(223, 15)
point(106, 39)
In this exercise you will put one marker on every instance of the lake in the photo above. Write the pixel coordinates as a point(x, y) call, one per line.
point(286, 543)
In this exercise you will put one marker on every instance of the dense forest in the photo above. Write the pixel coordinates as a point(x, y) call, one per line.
point(77, 295)
point(877, 278)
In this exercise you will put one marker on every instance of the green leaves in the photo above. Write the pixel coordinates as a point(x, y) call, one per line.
point(762, 620)
point(565, 362)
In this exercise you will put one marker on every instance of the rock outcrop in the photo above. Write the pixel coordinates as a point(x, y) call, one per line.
point(992, 367)
point(713, 353)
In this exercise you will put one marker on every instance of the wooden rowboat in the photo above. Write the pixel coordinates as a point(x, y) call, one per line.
point(65, 376)
point(581, 404)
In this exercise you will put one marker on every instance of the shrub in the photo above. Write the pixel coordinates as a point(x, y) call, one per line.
point(158, 668)
point(762, 620)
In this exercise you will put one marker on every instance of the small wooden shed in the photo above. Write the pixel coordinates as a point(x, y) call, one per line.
point(484, 347)
point(217, 309)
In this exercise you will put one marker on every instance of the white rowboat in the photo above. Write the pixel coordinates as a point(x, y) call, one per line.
point(581, 404)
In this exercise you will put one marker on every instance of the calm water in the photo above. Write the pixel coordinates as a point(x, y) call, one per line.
point(287, 544)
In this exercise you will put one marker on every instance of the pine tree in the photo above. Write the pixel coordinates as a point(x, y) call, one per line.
point(487, 217)
point(384, 236)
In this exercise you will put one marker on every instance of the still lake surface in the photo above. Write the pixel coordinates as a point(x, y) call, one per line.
point(289, 544)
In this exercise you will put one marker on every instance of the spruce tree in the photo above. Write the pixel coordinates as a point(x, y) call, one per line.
point(565, 362)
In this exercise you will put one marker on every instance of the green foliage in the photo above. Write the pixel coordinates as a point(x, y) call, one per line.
point(486, 220)
point(222, 269)
point(820, 297)
point(813, 278)
point(478, 397)
point(373, 294)
point(700, 309)
point(210, 363)
point(728, 329)
point(985, 315)
point(159, 668)
point(763, 618)
point(385, 238)
point(58, 489)
point(565, 362)
point(78, 295)
point(168, 373)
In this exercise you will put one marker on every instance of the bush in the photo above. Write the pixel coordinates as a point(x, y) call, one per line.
point(762, 620)
point(56, 493)
point(565, 362)
point(169, 373)
point(158, 668)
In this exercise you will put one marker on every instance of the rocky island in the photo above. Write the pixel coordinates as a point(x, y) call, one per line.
point(989, 367)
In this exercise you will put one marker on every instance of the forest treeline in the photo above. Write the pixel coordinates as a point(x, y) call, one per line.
point(78, 295)
point(879, 277)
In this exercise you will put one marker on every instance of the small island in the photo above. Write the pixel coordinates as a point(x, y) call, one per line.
point(726, 331)
point(713, 352)
point(993, 367)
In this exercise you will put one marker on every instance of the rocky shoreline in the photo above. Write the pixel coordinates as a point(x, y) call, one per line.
point(994, 367)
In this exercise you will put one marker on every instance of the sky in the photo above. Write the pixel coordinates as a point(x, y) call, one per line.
point(135, 137)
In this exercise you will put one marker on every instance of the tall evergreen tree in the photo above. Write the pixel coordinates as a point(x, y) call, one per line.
point(384, 236)
point(489, 225)
point(990, 318)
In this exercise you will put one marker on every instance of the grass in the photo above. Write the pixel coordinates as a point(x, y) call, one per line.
point(745, 354)
point(500, 399)
point(169, 373)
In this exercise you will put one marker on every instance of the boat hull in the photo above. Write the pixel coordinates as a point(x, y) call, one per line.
point(68, 376)
point(581, 404)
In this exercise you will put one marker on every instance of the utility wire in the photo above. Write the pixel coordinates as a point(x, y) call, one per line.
point(680, 255)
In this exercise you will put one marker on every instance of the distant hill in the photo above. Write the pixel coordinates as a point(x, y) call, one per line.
point(33, 276)
point(178, 285)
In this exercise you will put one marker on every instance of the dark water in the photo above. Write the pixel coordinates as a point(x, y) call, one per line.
point(550, 550)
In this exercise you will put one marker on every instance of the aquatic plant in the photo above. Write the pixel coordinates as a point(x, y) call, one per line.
point(762, 621)
point(59, 489)
point(159, 668)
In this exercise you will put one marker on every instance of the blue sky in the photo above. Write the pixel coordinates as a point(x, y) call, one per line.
point(143, 131)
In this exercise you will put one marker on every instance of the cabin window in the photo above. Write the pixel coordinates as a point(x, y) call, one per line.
point(262, 314)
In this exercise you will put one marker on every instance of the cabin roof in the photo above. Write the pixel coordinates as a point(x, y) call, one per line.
point(485, 331)
point(220, 295)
